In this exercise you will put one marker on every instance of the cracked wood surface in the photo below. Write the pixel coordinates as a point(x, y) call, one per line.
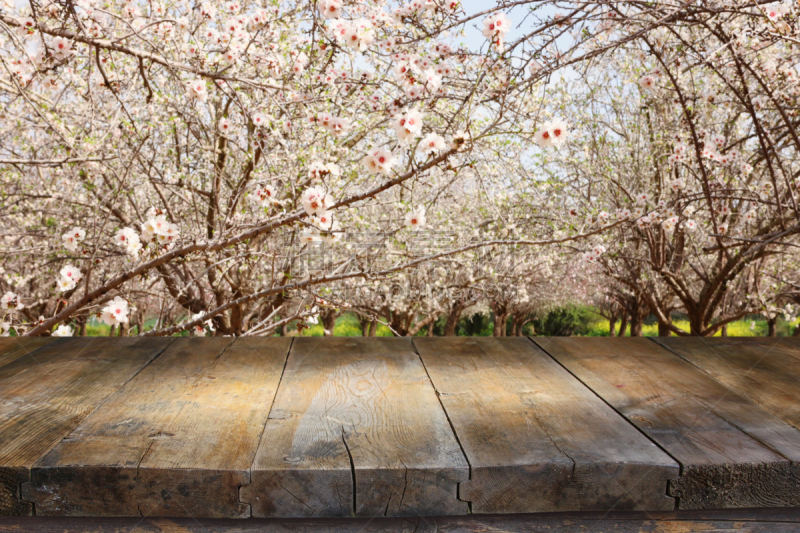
point(538, 440)
point(764, 370)
point(733, 453)
point(47, 387)
point(356, 429)
point(130, 427)
point(177, 440)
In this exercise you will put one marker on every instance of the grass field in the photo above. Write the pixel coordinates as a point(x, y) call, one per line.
point(347, 325)
point(740, 328)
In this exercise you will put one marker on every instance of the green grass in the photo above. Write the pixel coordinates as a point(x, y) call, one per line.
point(347, 325)
point(741, 328)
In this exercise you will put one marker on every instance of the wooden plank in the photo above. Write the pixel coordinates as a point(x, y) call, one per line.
point(537, 439)
point(764, 370)
point(733, 452)
point(356, 429)
point(741, 521)
point(12, 348)
point(47, 392)
point(178, 440)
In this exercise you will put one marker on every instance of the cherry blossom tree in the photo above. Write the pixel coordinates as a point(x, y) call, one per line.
point(226, 167)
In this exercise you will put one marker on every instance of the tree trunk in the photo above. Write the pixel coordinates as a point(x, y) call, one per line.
point(373, 327)
point(612, 325)
point(623, 325)
point(724, 331)
point(695, 325)
point(365, 325)
point(430, 329)
point(452, 318)
point(771, 323)
point(124, 328)
point(82, 325)
point(113, 331)
point(636, 325)
point(285, 330)
point(663, 329)
point(236, 318)
point(517, 325)
point(328, 317)
point(796, 332)
point(499, 325)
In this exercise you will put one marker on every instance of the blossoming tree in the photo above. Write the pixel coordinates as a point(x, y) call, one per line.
point(192, 160)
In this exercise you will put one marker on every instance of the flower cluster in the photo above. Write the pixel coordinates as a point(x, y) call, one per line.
point(355, 34)
point(63, 331)
point(316, 201)
point(407, 125)
point(264, 196)
point(432, 143)
point(200, 329)
point(61, 47)
point(116, 312)
point(128, 239)
point(334, 125)
point(594, 254)
point(69, 278)
point(415, 219)
point(419, 74)
point(159, 227)
point(552, 133)
point(72, 238)
point(317, 170)
point(648, 81)
point(11, 301)
point(495, 27)
point(196, 90)
point(378, 161)
point(330, 9)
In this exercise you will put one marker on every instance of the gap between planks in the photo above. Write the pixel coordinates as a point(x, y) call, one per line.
point(450, 422)
point(260, 437)
point(543, 347)
point(96, 407)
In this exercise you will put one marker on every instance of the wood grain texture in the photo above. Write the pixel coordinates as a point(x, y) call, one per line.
point(733, 452)
point(356, 429)
point(177, 440)
point(739, 521)
point(764, 370)
point(47, 392)
point(12, 348)
point(537, 439)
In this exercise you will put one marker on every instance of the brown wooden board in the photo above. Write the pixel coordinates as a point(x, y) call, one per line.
point(785, 520)
point(12, 348)
point(356, 429)
point(733, 453)
point(536, 438)
point(178, 440)
point(764, 370)
point(47, 392)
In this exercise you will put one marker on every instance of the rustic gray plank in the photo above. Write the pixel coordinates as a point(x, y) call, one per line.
point(536, 438)
point(46, 393)
point(733, 452)
point(764, 370)
point(12, 348)
point(739, 521)
point(177, 440)
point(356, 429)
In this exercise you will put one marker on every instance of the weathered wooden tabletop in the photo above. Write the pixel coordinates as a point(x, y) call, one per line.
point(406, 427)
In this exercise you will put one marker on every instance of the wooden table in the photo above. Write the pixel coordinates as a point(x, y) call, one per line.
point(326, 428)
